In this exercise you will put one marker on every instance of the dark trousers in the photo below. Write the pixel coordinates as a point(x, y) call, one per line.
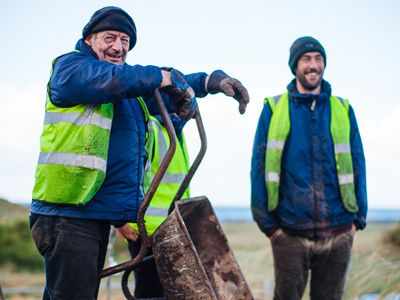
point(74, 251)
point(147, 282)
point(327, 259)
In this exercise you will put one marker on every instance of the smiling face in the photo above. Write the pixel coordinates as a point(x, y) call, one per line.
point(110, 45)
point(309, 72)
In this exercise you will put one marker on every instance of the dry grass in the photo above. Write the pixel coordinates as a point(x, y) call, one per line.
point(11, 279)
point(252, 251)
point(375, 266)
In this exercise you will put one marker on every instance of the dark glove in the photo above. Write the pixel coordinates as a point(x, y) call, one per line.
point(220, 82)
point(182, 95)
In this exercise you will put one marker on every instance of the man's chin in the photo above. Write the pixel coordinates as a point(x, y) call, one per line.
point(311, 87)
point(116, 61)
point(313, 80)
point(312, 84)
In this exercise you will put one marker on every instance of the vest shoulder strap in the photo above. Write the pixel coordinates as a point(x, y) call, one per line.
point(342, 101)
point(273, 101)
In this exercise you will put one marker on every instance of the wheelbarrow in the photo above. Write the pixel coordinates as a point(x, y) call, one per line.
point(191, 252)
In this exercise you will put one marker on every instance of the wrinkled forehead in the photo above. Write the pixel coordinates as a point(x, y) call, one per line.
point(112, 33)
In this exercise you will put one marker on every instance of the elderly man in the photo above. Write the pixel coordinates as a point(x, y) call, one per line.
point(93, 148)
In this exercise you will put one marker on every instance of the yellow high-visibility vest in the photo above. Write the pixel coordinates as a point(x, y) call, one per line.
point(73, 151)
point(157, 211)
point(340, 131)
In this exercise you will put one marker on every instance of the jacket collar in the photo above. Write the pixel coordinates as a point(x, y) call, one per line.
point(85, 49)
point(295, 96)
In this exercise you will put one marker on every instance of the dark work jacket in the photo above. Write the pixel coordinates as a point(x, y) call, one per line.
point(79, 77)
point(309, 196)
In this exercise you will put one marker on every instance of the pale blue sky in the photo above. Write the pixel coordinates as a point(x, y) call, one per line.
point(249, 40)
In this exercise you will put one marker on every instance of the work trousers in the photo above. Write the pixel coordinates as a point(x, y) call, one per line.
point(147, 282)
point(74, 252)
point(327, 259)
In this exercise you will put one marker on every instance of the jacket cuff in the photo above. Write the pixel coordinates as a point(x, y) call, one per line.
point(118, 224)
point(271, 230)
point(360, 223)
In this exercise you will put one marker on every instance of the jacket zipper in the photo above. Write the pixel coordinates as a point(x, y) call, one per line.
point(313, 145)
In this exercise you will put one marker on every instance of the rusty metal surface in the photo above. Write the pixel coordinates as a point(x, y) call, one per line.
point(193, 256)
point(179, 267)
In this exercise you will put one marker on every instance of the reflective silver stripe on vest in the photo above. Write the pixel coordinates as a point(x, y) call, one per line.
point(276, 99)
point(346, 178)
point(341, 100)
point(271, 177)
point(275, 144)
point(162, 151)
point(69, 159)
point(87, 118)
point(170, 178)
point(173, 178)
point(342, 148)
point(156, 212)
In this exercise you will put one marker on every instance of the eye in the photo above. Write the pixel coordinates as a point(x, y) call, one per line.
point(125, 42)
point(108, 39)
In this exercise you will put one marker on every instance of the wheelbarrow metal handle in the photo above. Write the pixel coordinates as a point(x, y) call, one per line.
point(193, 168)
point(150, 193)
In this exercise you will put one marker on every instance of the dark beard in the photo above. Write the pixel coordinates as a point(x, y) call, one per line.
point(307, 85)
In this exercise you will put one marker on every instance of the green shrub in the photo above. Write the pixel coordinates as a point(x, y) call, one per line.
point(393, 237)
point(17, 247)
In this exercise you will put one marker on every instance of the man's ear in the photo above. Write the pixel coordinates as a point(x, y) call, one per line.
point(88, 40)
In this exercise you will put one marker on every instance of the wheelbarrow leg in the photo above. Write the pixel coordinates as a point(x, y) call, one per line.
point(125, 277)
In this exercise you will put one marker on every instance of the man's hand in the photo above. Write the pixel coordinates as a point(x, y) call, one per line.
point(181, 94)
point(353, 229)
point(277, 233)
point(219, 82)
point(127, 232)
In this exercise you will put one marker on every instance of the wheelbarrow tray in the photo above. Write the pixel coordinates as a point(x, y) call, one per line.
point(193, 257)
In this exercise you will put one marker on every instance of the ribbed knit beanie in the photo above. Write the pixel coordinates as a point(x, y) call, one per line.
point(302, 45)
point(111, 18)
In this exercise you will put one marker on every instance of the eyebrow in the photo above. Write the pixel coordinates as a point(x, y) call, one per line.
point(114, 36)
point(309, 55)
point(109, 33)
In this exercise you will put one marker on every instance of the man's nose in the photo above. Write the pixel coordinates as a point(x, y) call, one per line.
point(314, 63)
point(117, 45)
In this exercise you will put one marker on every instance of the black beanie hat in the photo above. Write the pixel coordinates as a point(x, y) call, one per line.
point(302, 45)
point(111, 18)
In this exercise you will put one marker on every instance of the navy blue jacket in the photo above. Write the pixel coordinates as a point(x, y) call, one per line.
point(79, 77)
point(309, 196)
